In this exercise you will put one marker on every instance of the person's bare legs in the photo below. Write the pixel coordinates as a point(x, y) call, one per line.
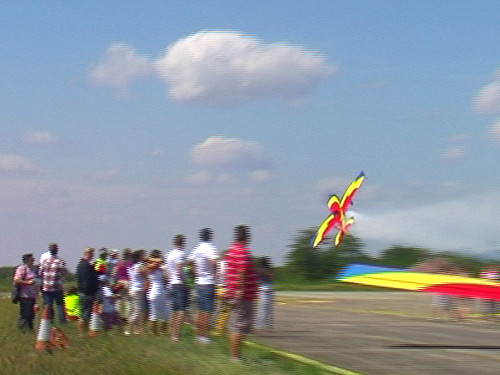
point(83, 327)
point(202, 323)
point(235, 343)
point(176, 323)
point(155, 328)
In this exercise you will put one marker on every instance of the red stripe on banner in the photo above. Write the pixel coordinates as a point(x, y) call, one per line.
point(465, 290)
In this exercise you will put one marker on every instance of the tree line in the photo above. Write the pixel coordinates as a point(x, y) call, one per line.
point(303, 263)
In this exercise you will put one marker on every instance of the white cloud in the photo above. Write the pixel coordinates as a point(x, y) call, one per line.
point(229, 154)
point(119, 65)
point(230, 160)
point(14, 163)
point(158, 153)
point(458, 138)
point(223, 68)
point(494, 131)
point(332, 185)
point(454, 153)
point(262, 175)
point(199, 178)
point(38, 137)
point(488, 98)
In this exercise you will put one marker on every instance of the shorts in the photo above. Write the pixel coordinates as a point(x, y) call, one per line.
point(241, 317)
point(178, 295)
point(158, 309)
point(137, 306)
point(205, 297)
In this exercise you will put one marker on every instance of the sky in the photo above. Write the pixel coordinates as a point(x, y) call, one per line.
point(125, 123)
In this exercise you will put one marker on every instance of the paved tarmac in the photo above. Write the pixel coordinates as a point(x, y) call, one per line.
point(382, 333)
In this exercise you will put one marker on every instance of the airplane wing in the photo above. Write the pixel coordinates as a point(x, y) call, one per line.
point(350, 191)
point(324, 228)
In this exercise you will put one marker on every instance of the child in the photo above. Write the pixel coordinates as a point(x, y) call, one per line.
point(110, 315)
point(72, 304)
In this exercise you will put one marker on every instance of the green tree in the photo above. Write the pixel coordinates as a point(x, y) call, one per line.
point(302, 260)
point(324, 261)
point(402, 256)
point(334, 258)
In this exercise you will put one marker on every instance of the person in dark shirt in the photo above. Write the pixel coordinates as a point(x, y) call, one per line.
point(88, 286)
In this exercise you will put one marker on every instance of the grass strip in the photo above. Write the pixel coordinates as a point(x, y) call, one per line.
point(304, 360)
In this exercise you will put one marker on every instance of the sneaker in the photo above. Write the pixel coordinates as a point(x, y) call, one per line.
point(203, 340)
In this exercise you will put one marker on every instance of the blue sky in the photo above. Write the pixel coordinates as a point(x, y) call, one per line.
point(124, 123)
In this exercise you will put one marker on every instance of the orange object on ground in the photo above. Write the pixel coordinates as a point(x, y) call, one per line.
point(43, 336)
point(58, 339)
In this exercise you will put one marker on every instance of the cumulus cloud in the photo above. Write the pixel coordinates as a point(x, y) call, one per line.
point(261, 175)
point(494, 131)
point(10, 163)
point(229, 154)
point(199, 178)
point(119, 65)
point(454, 153)
point(456, 148)
point(230, 159)
point(158, 153)
point(38, 137)
point(488, 98)
point(223, 68)
point(332, 185)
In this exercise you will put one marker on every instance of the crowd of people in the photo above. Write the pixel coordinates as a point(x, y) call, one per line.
point(153, 293)
point(460, 307)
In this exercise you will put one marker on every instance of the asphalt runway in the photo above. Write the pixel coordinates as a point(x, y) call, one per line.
point(382, 333)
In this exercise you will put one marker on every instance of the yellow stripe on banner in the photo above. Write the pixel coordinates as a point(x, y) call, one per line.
point(413, 280)
point(304, 360)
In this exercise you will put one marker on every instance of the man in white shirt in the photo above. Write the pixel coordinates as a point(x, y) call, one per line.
point(204, 259)
point(175, 263)
point(46, 255)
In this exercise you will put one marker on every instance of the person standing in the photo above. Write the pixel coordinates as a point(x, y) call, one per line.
point(111, 266)
point(138, 301)
point(101, 262)
point(25, 278)
point(204, 259)
point(266, 294)
point(47, 254)
point(52, 272)
point(175, 263)
point(88, 286)
point(157, 295)
point(490, 306)
point(240, 289)
point(122, 280)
